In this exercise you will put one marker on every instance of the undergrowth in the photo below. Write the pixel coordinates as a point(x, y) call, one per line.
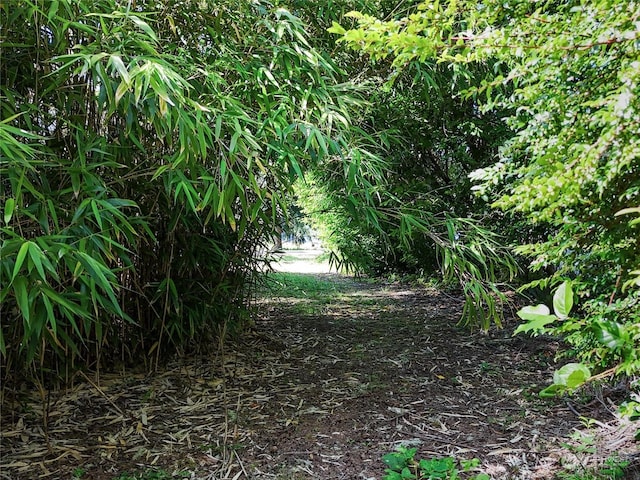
point(402, 465)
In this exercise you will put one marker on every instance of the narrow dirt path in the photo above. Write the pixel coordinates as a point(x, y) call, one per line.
point(372, 367)
point(325, 384)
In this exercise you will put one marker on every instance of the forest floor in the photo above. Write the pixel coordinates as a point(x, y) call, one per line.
point(335, 373)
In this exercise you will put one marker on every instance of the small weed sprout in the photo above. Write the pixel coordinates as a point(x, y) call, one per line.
point(78, 473)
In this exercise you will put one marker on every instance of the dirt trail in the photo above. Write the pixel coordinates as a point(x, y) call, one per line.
point(379, 366)
point(321, 388)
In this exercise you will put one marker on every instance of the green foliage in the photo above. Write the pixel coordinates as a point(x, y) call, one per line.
point(364, 238)
point(565, 76)
point(631, 409)
point(159, 474)
point(618, 346)
point(617, 342)
point(582, 446)
point(402, 464)
point(423, 139)
point(566, 379)
point(571, 79)
point(539, 316)
point(145, 160)
point(78, 473)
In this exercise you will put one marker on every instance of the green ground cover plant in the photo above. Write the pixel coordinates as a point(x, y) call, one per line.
point(301, 285)
point(151, 474)
point(403, 465)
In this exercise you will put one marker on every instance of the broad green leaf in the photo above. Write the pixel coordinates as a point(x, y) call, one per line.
point(553, 391)
point(406, 474)
point(571, 375)
point(395, 461)
point(391, 475)
point(538, 318)
point(613, 335)
point(533, 312)
point(563, 300)
point(577, 378)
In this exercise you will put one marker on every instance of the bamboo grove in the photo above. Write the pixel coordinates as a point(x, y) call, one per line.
point(145, 159)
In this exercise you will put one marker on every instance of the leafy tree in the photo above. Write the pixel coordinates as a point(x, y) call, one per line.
point(567, 73)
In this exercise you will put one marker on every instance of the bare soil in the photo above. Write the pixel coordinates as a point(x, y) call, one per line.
point(321, 388)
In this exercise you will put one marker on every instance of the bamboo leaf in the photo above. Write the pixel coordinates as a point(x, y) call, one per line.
point(122, 89)
point(99, 274)
point(22, 254)
point(50, 314)
point(223, 169)
point(144, 26)
point(233, 143)
point(53, 10)
point(9, 207)
point(69, 309)
point(22, 298)
point(36, 256)
point(96, 214)
point(117, 62)
point(53, 214)
point(218, 127)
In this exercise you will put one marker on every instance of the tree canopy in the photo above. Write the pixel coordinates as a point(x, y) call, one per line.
point(565, 77)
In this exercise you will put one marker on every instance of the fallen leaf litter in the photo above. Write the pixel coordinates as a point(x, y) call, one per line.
point(318, 392)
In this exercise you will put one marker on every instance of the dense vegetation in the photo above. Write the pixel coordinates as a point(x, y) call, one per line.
point(567, 84)
point(151, 150)
point(146, 156)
